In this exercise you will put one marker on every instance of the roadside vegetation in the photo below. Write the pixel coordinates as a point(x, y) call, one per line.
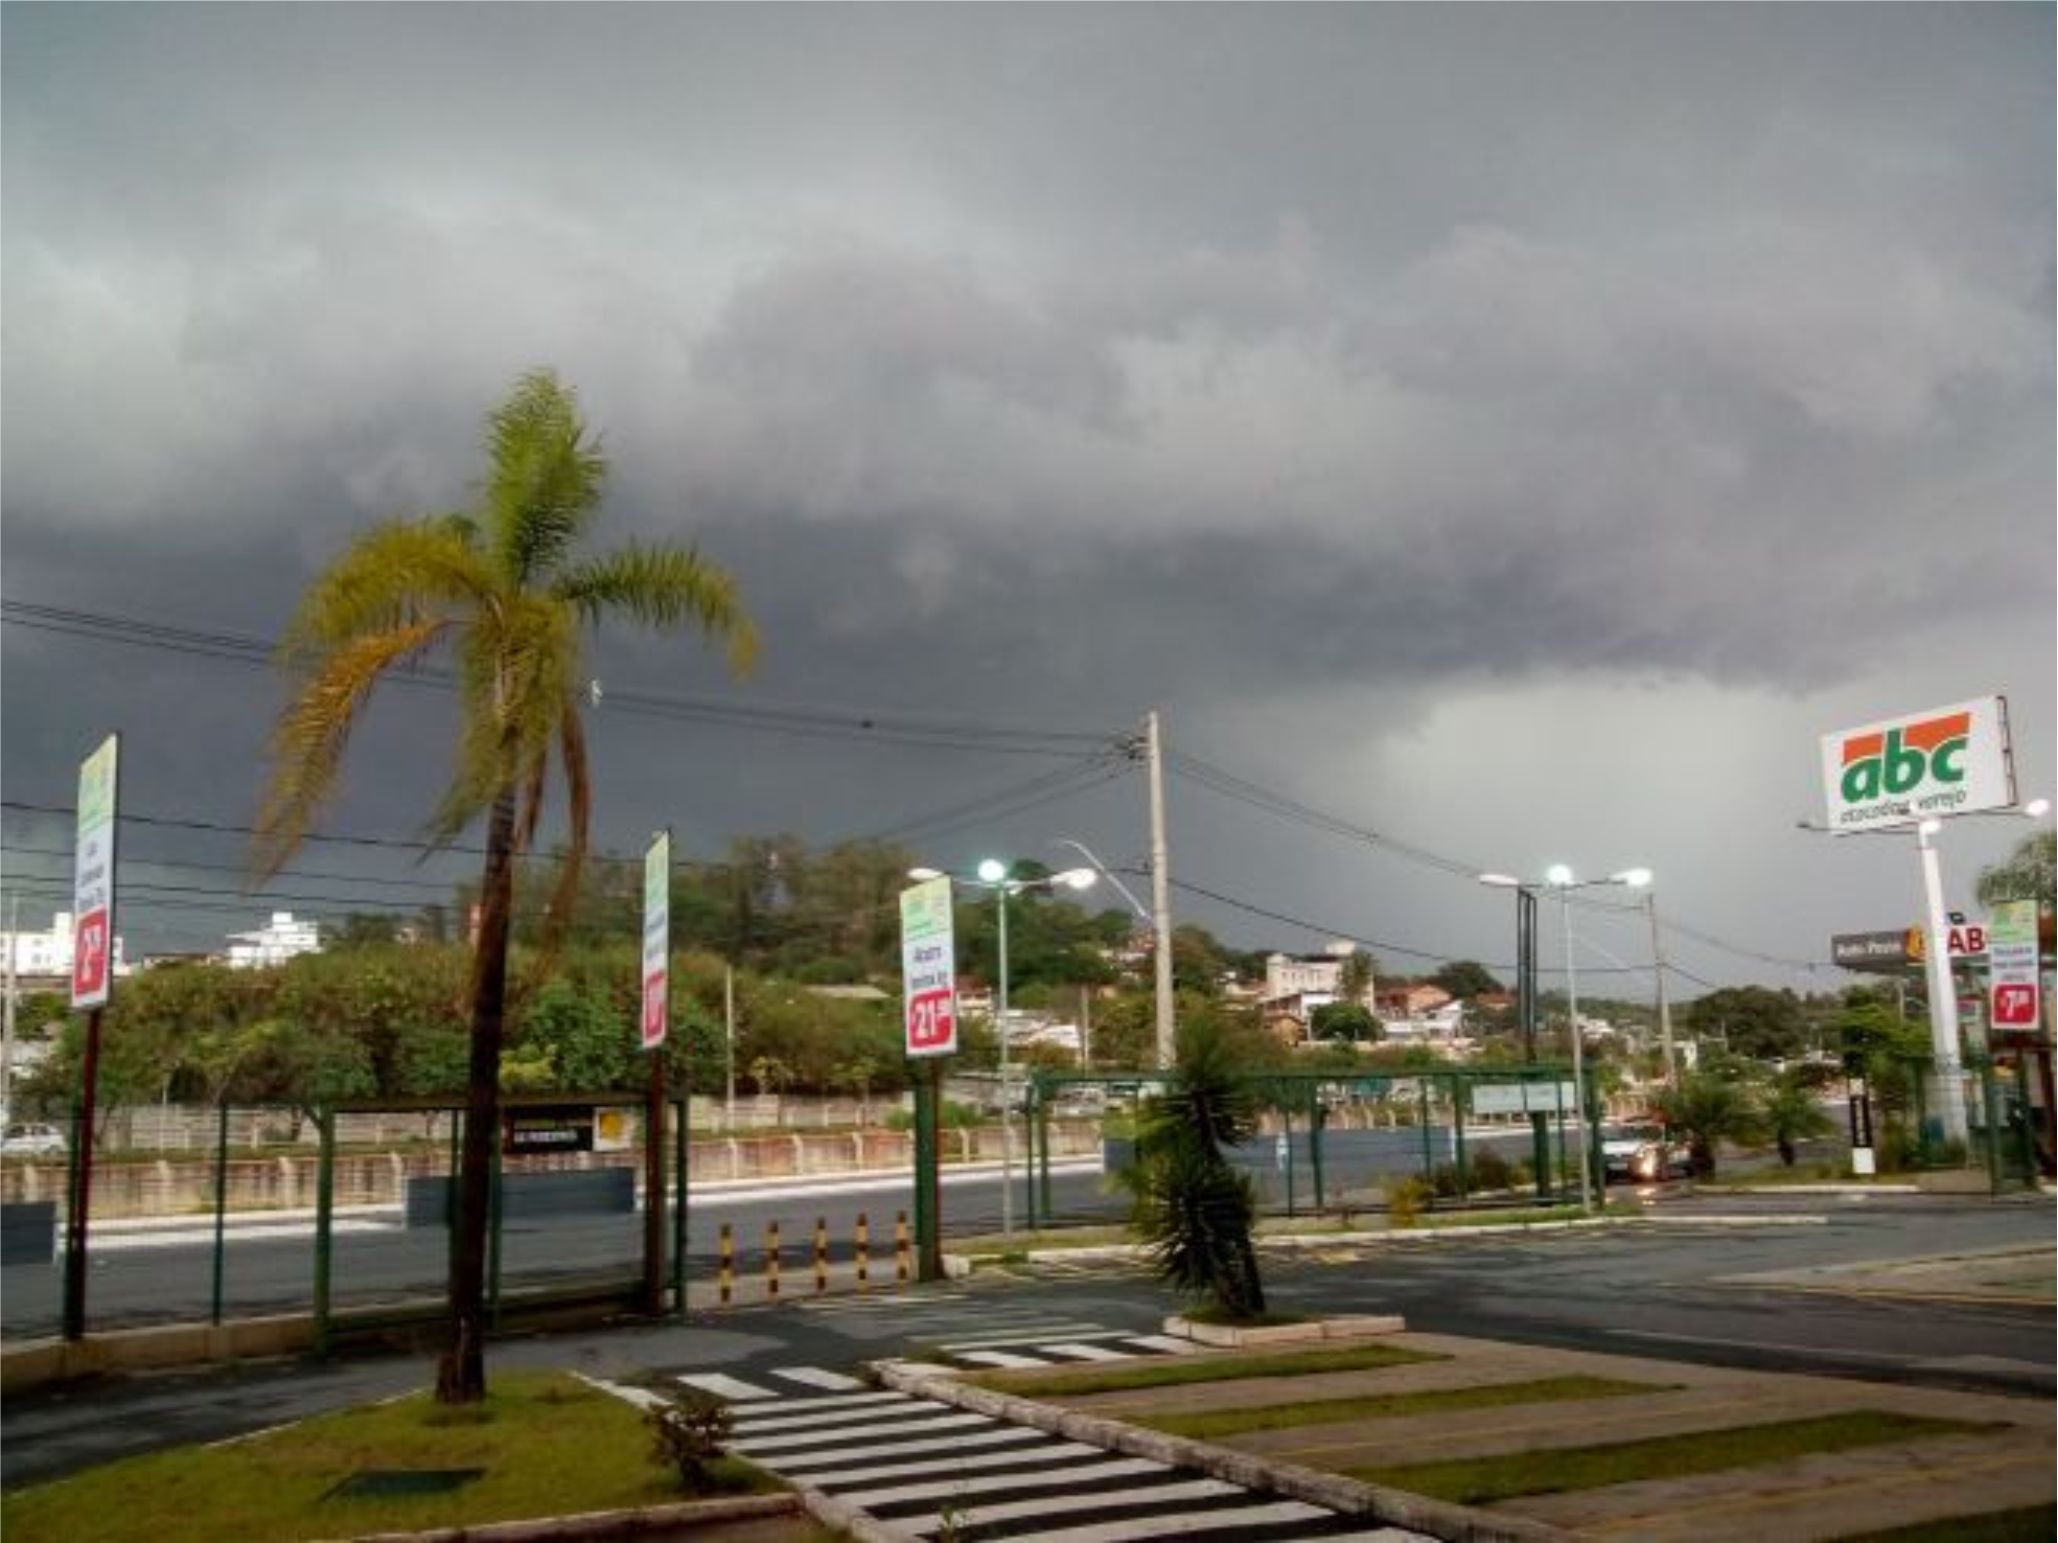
point(542, 1444)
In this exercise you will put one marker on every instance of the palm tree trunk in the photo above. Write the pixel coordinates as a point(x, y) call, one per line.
point(461, 1375)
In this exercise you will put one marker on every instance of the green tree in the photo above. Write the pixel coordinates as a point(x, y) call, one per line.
point(1793, 1113)
point(1354, 978)
point(588, 1046)
point(1708, 1107)
point(1466, 979)
point(2030, 872)
point(1348, 1021)
point(1752, 1021)
point(1194, 1210)
point(502, 590)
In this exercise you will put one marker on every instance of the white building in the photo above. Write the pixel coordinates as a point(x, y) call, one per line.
point(1294, 974)
point(274, 944)
point(49, 954)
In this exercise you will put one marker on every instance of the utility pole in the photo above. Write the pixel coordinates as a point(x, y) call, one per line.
point(1161, 890)
point(1658, 976)
point(7, 1034)
point(729, 1041)
point(1086, 1028)
point(1578, 1058)
point(1007, 1118)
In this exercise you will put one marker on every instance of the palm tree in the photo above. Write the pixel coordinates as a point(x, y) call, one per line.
point(503, 592)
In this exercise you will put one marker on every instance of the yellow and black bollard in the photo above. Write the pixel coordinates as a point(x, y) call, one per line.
point(900, 1246)
point(821, 1255)
point(728, 1264)
point(771, 1259)
point(864, 1250)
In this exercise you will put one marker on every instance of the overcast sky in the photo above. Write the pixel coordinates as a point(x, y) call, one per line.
point(1517, 430)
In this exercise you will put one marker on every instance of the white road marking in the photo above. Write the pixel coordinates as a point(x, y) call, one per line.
point(1180, 1525)
point(776, 1423)
point(1026, 1458)
point(1079, 1352)
point(1029, 1333)
point(817, 1377)
point(642, 1398)
point(1164, 1342)
point(1015, 1510)
point(922, 1424)
point(1012, 1435)
point(1055, 1478)
point(725, 1387)
point(1000, 1358)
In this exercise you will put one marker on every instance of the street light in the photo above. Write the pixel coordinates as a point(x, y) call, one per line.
point(992, 874)
point(1559, 877)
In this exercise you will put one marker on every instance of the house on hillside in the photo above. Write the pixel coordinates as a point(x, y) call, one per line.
point(281, 939)
point(1297, 984)
point(1410, 999)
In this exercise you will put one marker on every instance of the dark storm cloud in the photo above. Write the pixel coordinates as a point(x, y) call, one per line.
point(1332, 365)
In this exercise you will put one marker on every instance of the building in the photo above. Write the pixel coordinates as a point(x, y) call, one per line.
point(1411, 999)
point(283, 939)
point(47, 955)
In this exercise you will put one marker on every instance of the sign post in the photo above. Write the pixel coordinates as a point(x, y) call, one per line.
point(656, 1020)
point(92, 984)
point(2015, 1010)
point(929, 1020)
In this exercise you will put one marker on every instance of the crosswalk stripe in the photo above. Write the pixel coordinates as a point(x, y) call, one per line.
point(1181, 1524)
point(1163, 1342)
point(1084, 1352)
point(642, 1398)
point(959, 1463)
point(816, 1377)
point(800, 1406)
point(725, 1387)
point(1001, 1358)
point(773, 1422)
point(921, 1424)
point(1019, 1510)
point(972, 1484)
point(1030, 1333)
point(1009, 1435)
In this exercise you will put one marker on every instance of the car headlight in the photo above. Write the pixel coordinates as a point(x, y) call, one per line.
point(1645, 1164)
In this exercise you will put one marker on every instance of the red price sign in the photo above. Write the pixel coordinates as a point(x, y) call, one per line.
point(89, 958)
point(2015, 1006)
point(932, 1024)
point(654, 1004)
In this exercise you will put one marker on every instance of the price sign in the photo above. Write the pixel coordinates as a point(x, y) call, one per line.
point(92, 956)
point(928, 968)
point(657, 940)
point(2012, 980)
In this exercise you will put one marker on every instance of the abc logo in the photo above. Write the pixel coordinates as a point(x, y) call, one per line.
point(1898, 760)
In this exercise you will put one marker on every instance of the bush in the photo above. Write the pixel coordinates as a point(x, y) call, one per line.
point(1443, 1182)
point(1519, 1176)
point(691, 1432)
point(1407, 1200)
point(1490, 1170)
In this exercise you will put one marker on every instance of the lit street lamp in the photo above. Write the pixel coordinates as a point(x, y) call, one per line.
point(993, 875)
point(1559, 877)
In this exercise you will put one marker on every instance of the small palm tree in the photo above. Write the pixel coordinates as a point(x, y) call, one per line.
point(1194, 1211)
point(503, 592)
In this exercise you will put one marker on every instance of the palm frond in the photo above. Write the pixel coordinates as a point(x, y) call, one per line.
point(546, 478)
point(518, 665)
point(663, 586)
point(395, 575)
point(308, 744)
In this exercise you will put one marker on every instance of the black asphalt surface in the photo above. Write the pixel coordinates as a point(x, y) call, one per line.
point(1647, 1290)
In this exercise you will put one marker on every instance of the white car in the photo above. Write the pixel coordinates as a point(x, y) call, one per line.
point(33, 1141)
point(1640, 1154)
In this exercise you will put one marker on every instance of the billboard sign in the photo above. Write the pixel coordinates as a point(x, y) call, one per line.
point(1900, 771)
point(1522, 1097)
point(1891, 952)
point(546, 1128)
point(657, 939)
point(2012, 982)
point(928, 969)
point(92, 956)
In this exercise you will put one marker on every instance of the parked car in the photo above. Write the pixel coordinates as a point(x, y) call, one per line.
point(33, 1141)
point(1640, 1154)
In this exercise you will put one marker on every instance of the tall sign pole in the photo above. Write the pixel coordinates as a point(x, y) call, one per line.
point(1160, 891)
point(657, 965)
point(929, 1020)
point(92, 985)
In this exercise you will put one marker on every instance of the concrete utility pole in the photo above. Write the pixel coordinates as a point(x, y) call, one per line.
point(7, 1035)
point(729, 1041)
point(1658, 976)
point(1161, 890)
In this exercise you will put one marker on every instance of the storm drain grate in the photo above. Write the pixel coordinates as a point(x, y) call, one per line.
point(401, 1483)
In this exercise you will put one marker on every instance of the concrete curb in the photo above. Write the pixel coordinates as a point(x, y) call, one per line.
point(1235, 1336)
point(602, 1524)
point(840, 1516)
point(1439, 1519)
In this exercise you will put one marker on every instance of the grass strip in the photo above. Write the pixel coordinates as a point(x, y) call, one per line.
point(1555, 1470)
point(1211, 1424)
point(2024, 1524)
point(549, 1444)
point(1202, 1368)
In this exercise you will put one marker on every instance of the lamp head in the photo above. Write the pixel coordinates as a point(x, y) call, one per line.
point(1074, 878)
point(923, 875)
point(1558, 875)
point(1635, 878)
point(993, 870)
point(1500, 880)
point(2037, 808)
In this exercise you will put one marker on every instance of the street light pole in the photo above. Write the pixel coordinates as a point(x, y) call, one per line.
point(1578, 1054)
point(1007, 1113)
point(1160, 893)
point(1658, 977)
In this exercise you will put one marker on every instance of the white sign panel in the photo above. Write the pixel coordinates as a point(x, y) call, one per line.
point(2012, 982)
point(1522, 1098)
point(928, 968)
point(657, 940)
point(92, 968)
point(1899, 771)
